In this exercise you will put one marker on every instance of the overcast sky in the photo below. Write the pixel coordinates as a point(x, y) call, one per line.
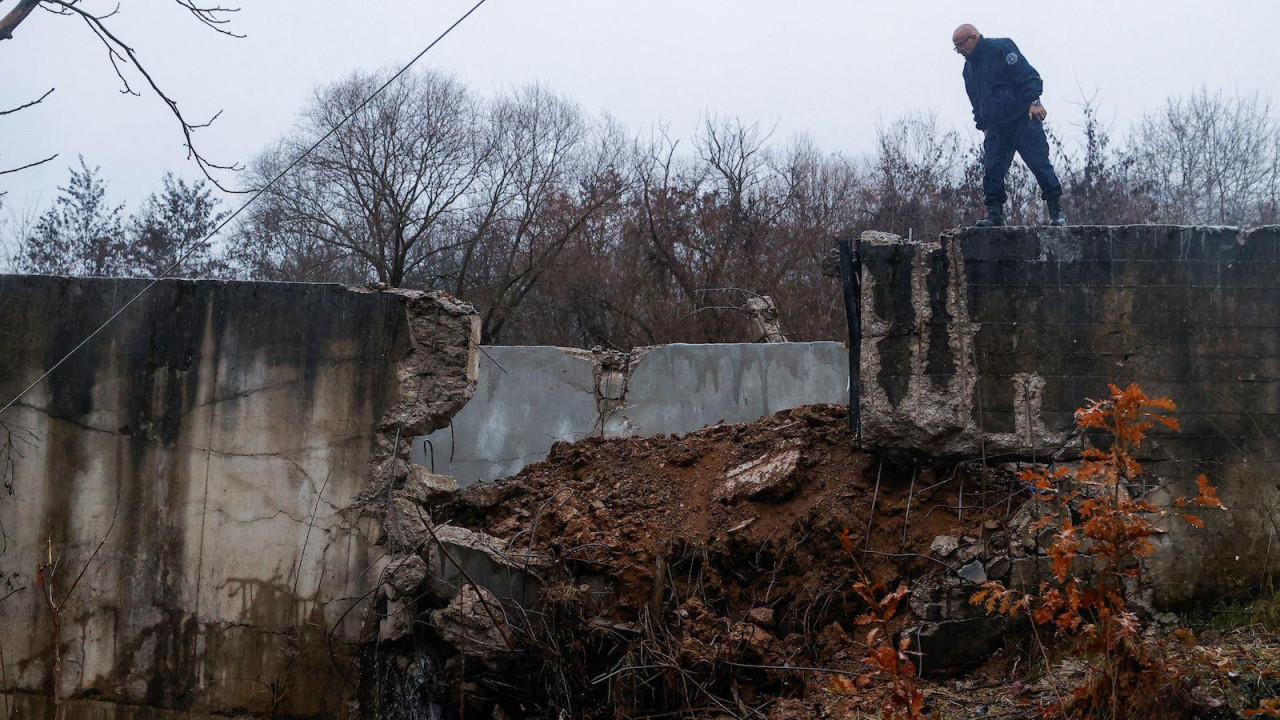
point(832, 69)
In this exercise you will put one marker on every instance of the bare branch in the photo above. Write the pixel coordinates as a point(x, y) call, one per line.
point(37, 101)
point(212, 16)
point(14, 18)
point(119, 53)
point(28, 165)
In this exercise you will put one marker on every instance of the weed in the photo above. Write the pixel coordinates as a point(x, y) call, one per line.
point(1097, 558)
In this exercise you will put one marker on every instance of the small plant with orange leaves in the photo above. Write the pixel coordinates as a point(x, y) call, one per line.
point(1270, 708)
point(1099, 554)
point(885, 658)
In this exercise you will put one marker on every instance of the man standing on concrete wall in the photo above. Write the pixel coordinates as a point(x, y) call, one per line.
point(1005, 93)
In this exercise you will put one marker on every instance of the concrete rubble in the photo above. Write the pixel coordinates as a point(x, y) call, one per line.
point(475, 624)
point(459, 558)
point(770, 477)
point(404, 575)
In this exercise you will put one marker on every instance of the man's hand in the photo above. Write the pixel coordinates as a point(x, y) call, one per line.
point(1037, 112)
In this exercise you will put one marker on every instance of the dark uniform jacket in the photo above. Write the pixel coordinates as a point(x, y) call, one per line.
point(1000, 82)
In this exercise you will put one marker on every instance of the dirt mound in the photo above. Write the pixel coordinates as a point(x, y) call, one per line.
point(707, 570)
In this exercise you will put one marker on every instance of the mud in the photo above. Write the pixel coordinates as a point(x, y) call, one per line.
point(710, 570)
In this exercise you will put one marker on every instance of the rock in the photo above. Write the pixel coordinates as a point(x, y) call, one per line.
point(755, 642)
point(969, 553)
point(1167, 618)
point(833, 636)
point(999, 568)
point(1028, 572)
point(764, 314)
point(953, 646)
point(463, 556)
point(391, 470)
point(974, 572)
point(1046, 537)
point(475, 624)
point(397, 623)
point(436, 376)
point(761, 616)
point(481, 496)
point(773, 476)
point(943, 545)
point(404, 575)
point(428, 488)
point(406, 524)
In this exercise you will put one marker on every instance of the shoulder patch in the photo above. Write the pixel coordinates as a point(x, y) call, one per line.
point(1011, 58)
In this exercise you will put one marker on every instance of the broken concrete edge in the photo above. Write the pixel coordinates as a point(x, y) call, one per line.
point(938, 421)
point(435, 375)
point(611, 372)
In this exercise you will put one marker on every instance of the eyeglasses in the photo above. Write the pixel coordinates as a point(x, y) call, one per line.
point(960, 45)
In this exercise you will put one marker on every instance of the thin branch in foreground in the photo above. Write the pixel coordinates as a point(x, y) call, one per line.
point(119, 53)
point(28, 165)
point(211, 16)
point(37, 101)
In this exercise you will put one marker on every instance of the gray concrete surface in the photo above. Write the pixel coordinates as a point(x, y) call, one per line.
point(213, 439)
point(530, 397)
point(526, 398)
point(983, 343)
point(680, 388)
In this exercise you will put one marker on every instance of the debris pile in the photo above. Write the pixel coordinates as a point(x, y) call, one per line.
point(711, 571)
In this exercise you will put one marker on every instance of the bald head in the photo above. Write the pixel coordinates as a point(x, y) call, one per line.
point(965, 38)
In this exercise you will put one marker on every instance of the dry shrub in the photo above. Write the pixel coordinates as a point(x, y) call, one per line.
point(1097, 564)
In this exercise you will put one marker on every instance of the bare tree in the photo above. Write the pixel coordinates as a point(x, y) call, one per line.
point(1210, 158)
point(1100, 185)
point(562, 230)
point(387, 192)
point(548, 175)
point(917, 178)
point(121, 55)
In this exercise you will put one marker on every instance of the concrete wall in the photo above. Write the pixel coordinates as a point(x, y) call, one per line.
point(528, 398)
point(985, 342)
point(216, 438)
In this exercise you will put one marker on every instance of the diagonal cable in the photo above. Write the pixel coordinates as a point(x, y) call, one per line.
point(257, 194)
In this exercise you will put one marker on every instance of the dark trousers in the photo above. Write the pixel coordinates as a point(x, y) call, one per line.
point(1027, 138)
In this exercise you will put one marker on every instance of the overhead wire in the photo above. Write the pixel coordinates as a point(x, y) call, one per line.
point(257, 194)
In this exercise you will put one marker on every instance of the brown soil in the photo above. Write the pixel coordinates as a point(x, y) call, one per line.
point(670, 596)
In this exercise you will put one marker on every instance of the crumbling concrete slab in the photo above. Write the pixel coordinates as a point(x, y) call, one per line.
point(460, 558)
point(772, 476)
point(475, 624)
point(216, 439)
point(984, 342)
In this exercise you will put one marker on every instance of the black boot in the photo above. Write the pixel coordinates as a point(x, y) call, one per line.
point(1056, 218)
point(994, 218)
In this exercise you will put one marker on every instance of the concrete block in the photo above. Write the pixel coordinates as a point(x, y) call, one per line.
point(680, 388)
point(526, 399)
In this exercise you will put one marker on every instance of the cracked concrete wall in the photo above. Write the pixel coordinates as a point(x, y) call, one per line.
point(219, 436)
point(985, 341)
point(528, 398)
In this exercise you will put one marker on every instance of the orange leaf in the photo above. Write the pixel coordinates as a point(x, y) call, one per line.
point(845, 541)
point(841, 685)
